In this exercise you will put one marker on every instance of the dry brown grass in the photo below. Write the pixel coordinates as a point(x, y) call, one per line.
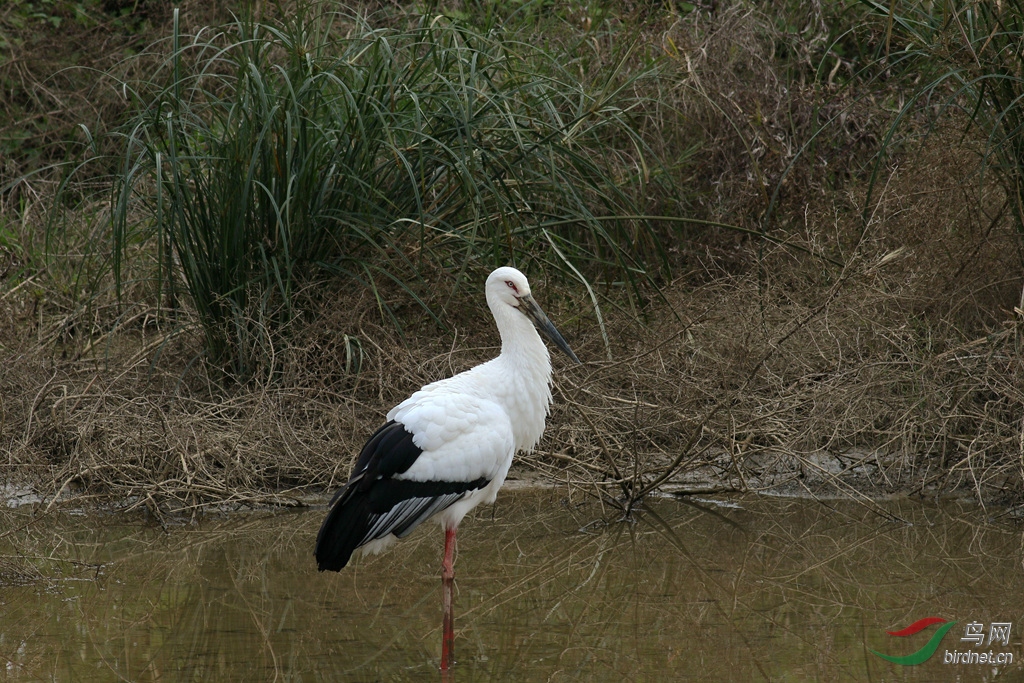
point(903, 372)
point(767, 126)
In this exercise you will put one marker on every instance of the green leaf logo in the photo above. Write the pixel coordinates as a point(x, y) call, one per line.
point(930, 647)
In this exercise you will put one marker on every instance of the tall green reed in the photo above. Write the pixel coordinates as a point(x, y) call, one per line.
point(269, 154)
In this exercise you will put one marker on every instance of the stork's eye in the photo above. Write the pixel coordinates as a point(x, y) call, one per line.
point(512, 286)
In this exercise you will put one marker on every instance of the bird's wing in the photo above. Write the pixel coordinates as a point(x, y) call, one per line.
point(461, 437)
point(435, 448)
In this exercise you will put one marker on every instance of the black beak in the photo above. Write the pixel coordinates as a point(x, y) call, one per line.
point(532, 311)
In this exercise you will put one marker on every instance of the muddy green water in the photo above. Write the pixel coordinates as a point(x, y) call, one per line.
point(548, 589)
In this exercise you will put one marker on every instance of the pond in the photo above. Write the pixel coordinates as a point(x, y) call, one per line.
point(550, 586)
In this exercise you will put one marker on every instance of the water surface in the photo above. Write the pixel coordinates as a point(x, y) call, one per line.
point(550, 587)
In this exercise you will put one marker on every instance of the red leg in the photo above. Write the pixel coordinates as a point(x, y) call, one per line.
point(447, 578)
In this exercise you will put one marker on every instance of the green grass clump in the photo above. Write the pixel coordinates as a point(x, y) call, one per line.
point(266, 155)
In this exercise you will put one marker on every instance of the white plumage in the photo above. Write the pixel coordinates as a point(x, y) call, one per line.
point(449, 446)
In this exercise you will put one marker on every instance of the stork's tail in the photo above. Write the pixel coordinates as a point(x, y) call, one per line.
point(362, 513)
point(343, 530)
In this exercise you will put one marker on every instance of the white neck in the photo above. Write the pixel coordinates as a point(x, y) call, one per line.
point(521, 345)
point(524, 366)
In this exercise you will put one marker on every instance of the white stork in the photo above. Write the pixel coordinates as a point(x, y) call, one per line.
point(448, 447)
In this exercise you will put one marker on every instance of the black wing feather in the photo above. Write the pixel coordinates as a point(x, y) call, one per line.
point(374, 504)
point(389, 451)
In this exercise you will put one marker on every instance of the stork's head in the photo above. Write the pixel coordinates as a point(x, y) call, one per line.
point(508, 287)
